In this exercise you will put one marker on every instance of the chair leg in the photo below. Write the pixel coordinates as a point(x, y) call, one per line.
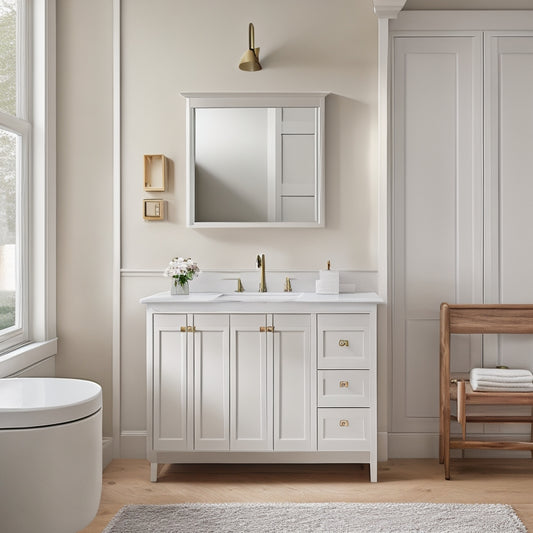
point(532, 431)
point(446, 442)
point(461, 406)
point(441, 438)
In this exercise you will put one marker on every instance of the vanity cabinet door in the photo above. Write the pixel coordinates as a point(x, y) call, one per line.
point(171, 423)
point(211, 382)
point(294, 370)
point(251, 383)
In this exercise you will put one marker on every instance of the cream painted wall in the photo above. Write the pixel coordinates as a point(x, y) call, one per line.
point(84, 193)
point(173, 46)
point(170, 46)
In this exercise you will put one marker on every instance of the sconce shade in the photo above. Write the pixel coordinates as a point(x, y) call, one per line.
point(250, 59)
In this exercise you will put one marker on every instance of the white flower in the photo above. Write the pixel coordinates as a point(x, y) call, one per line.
point(182, 269)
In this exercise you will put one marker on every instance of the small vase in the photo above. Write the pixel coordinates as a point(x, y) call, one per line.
point(176, 288)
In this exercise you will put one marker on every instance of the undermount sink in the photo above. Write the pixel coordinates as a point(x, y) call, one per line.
point(259, 296)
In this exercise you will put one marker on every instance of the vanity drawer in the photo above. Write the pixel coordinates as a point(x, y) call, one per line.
point(343, 429)
point(343, 340)
point(344, 388)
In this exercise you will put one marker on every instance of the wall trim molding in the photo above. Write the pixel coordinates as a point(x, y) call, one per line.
point(129, 272)
point(117, 228)
point(388, 9)
point(107, 451)
point(133, 444)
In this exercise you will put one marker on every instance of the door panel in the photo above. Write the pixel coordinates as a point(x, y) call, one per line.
point(294, 371)
point(171, 428)
point(211, 382)
point(508, 192)
point(251, 384)
point(437, 225)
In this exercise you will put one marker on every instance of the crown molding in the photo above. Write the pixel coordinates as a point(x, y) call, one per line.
point(388, 9)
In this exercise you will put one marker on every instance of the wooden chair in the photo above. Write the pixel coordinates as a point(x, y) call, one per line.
point(478, 319)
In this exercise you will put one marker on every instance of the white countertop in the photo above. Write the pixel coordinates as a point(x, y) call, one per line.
point(267, 297)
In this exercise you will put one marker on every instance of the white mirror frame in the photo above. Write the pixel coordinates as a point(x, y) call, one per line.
point(257, 100)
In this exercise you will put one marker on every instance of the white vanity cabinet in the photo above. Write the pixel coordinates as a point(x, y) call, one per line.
point(261, 382)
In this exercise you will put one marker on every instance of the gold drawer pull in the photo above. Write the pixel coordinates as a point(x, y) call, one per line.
point(344, 342)
point(263, 329)
point(344, 423)
point(343, 384)
point(189, 329)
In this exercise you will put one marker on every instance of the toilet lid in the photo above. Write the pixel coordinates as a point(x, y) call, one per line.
point(37, 402)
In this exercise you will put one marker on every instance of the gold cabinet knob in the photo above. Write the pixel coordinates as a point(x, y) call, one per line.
point(344, 423)
point(189, 329)
point(264, 329)
point(343, 342)
point(343, 384)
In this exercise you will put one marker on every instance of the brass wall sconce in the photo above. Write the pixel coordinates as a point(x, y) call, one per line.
point(250, 59)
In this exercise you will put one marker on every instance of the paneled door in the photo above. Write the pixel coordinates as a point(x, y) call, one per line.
point(171, 421)
point(251, 383)
point(508, 186)
point(211, 382)
point(437, 213)
point(294, 384)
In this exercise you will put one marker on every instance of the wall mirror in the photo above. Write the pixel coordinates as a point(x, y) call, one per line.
point(255, 160)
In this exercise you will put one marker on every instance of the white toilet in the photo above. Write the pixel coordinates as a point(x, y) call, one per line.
point(50, 454)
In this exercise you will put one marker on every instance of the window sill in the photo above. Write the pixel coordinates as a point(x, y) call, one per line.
point(25, 356)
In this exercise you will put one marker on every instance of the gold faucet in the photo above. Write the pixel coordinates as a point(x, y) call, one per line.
point(288, 287)
point(261, 264)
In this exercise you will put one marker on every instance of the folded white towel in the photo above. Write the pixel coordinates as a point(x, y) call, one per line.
point(481, 388)
point(499, 385)
point(501, 375)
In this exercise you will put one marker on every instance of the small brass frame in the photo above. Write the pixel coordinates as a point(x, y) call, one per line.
point(343, 342)
point(343, 384)
point(153, 209)
point(155, 173)
point(344, 423)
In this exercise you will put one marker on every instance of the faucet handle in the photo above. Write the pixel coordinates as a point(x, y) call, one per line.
point(288, 287)
point(239, 288)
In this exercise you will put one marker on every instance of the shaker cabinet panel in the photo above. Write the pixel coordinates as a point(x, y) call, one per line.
point(344, 429)
point(343, 388)
point(211, 382)
point(508, 188)
point(251, 381)
point(343, 341)
point(437, 209)
point(294, 413)
point(170, 383)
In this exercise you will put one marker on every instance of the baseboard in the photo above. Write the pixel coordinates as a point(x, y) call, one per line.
point(413, 445)
point(133, 444)
point(383, 446)
point(426, 446)
point(107, 451)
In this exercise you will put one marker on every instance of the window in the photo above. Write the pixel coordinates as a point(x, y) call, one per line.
point(14, 166)
point(27, 183)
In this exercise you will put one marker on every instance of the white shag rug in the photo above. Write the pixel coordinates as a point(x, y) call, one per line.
point(320, 517)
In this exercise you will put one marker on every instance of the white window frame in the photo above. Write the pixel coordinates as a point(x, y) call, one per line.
point(36, 123)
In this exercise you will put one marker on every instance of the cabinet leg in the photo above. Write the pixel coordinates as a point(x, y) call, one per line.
point(153, 472)
point(373, 472)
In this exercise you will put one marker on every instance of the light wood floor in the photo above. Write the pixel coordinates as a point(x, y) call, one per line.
point(400, 480)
